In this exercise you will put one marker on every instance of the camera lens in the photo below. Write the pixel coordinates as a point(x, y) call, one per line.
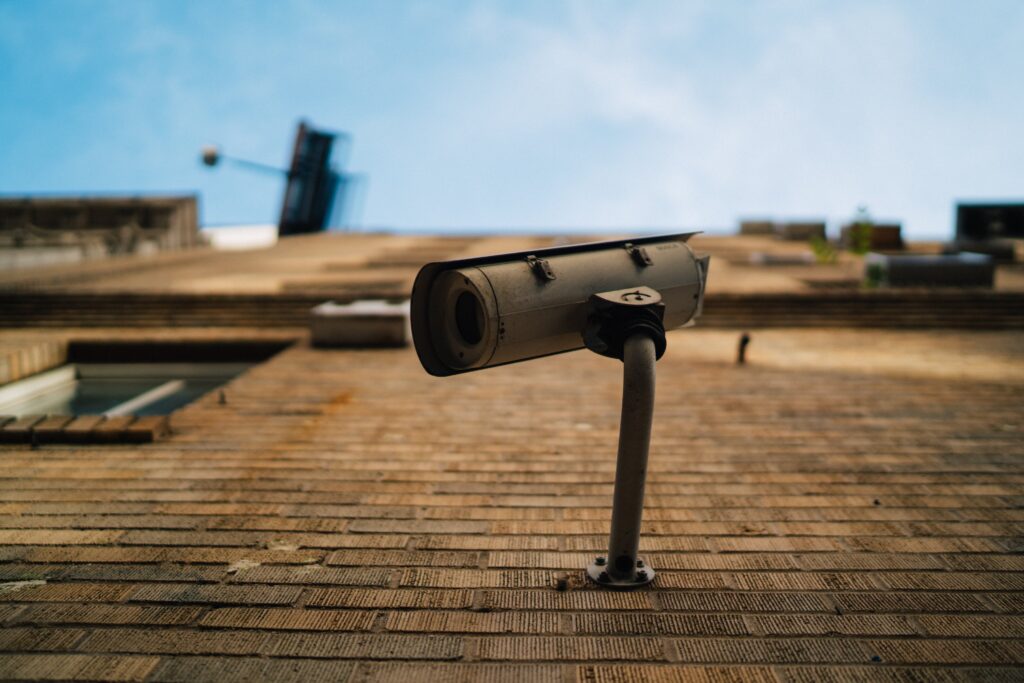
point(469, 318)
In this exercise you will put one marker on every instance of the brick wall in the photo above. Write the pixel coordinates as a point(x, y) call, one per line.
point(344, 516)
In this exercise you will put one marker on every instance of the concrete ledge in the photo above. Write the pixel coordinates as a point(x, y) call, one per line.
point(83, 429)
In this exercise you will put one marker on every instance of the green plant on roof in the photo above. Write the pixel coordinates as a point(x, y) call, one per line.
point(862, 228)
point(823, 251)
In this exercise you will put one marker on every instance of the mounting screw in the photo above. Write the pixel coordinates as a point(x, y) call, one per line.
point(600, 561)
point(639, 563)
point(642, 575)
point(603, 577)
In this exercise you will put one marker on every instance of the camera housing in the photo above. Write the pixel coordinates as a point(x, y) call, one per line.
point(470, 314)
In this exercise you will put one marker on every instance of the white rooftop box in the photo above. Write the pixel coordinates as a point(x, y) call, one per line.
point(360, 324)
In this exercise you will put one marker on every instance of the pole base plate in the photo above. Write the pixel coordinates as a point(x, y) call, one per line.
point(599, 574)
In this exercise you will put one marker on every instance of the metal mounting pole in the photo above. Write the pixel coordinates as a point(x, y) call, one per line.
point(622, 568)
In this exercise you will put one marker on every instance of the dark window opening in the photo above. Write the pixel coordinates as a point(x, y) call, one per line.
point(132, 378)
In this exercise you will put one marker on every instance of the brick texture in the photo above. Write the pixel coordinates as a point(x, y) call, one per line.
point(824, 513)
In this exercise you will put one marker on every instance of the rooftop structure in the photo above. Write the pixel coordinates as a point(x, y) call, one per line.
point(39, 231)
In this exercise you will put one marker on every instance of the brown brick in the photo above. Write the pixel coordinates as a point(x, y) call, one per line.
point(983, 563)
point(723, 562)
point(264, 523)
point(890, 674)
point(28, 572)
point(232, 509)
point(867, 561)
point(416, 526)
point(402, 672)
point(136, 554)
point(939, 652)
point(470, 542)
point(553, 648)
point(895, 602)
point(546, 528)
point(694, 580)
point(98, 522)
point(831, 625)
point(15, 639)
point(473, 622)
point(478, 578)
point(69, 667)
point(290, 619)
point(572, 600)
point(352, 511)
point(175, 641)
point(390, 599)
point(775, 545)
point(954, 581)
point(786, 581)
point(365, 646)
point(140, 573)
point(491, 513)
point(1006, 602)
point(314, 575)
point(59, 537)
point(648, 544)
point(69, 592)
point(960, 626)
point(245, 670)
point(194, 538)
point(674, 673)
point(9, 612)
point(761, 651)
point(403, 558)
point(107, 615)
point(538, 560)
point(217, 595)
point(926, 545)
point(744, 602)
point(653, 624)
point(369, 541)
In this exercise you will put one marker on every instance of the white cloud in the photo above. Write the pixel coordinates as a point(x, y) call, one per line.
point(823, 109)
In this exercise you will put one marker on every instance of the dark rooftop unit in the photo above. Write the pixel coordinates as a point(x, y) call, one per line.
point(976, 222)
point(878, 236)
point(948, 270)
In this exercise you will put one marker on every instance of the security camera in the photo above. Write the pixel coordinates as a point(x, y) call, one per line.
point(477, 313)
point(614, 298)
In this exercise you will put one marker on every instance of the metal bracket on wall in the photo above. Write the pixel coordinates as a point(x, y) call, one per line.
point(627, 324)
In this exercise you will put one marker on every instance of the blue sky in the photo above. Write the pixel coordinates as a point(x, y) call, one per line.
point(628, 115)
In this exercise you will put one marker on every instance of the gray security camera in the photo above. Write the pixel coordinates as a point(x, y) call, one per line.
point(478, 313)
point(614, 298)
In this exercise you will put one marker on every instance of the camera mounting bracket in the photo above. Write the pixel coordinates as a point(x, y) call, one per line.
point(627, 324)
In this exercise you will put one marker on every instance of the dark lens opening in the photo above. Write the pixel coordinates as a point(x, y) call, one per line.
point(469, 318)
